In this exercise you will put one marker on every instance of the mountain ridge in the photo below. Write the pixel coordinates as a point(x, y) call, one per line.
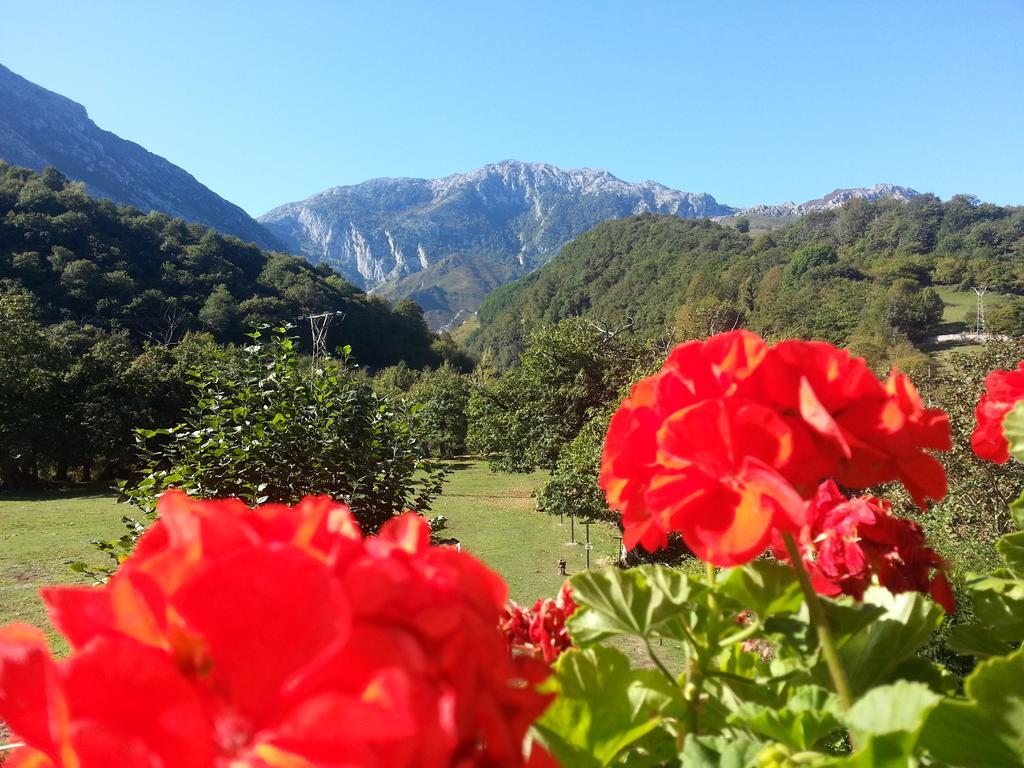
point(834, 199)
point(40, 128)
point(447, 242)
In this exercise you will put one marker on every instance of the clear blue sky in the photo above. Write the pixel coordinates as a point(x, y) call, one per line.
point(751, 101)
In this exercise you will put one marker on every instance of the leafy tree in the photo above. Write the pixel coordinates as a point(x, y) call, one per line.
point(912, 310)
point(220, 313)
point(572, 487)
point(396, 380)
point(263, 427)
point(567, 372)
point(706, 317)
point(29, 384)
point(1007, 318)
point(442, 399)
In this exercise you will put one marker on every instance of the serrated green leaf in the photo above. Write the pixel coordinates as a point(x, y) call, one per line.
point(638, 601)
point(999, 605)
point(871, 652)
point(720, 752)
point(1011, 547)
point(976, 640)
point(886, 724)
point(1013, 428)
point(810, 715)
point(901, 707)
point(985, 729)
point(1017, 510)
point(763, 586)
point(602, 706)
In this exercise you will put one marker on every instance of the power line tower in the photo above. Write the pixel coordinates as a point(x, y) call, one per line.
point(979, 320)
point(318, 325)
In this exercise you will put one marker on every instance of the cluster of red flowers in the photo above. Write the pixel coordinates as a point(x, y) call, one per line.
point(274, 637)
point(848, 543)
point(1003, 390)
point(729, 439)
point(540, 631)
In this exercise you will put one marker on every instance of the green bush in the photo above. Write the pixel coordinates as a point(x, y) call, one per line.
point(441, 400)
point(572, 488)
point(264, 427)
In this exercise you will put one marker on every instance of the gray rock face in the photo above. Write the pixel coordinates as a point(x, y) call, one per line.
point(446, 242)
point(833, 199)
point(40, 128)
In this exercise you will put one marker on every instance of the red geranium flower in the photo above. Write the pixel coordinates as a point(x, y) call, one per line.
point(726, 440)
point(274, 637)
point(540, 631)
point(1003, 390)
point(849, 543)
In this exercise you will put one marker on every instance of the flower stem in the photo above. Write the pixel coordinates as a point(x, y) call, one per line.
point(697, 667)
point(659, 663)
point(821, 625)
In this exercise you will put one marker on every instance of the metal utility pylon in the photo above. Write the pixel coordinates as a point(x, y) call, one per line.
point(318, 325)
point(979, 320)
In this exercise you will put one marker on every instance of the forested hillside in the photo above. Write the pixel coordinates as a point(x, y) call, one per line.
point(861, 275)
point(113, 267)
point(108, 312)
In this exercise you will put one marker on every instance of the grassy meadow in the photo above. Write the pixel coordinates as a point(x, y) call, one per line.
point(39, 534)
point(959, 306)
point(491, 514)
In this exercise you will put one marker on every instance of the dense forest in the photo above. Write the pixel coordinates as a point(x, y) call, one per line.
point(862, 276)
point(108, 312)
point(113, 267)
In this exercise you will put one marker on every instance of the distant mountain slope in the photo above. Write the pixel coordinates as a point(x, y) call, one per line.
point(833, 199)
point(447, 242)
point(40, 128)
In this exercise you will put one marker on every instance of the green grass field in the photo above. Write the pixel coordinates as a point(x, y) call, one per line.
point(959, 307)
point(495, 518)
point(39, 535)
point(492, 515)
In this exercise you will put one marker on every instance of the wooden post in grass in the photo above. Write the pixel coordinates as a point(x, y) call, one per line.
point(587, 526)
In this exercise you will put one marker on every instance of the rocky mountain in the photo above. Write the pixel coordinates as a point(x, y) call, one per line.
point(447, 242)
point(833, 199)
point(40, 128)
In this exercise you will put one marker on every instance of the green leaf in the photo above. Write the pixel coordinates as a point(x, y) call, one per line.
point(602, 706)
point(986, 729)
point(1013, 428)
point(976, 640)
point(639, 601)
point(1011, 547)
point(885, 726)
point(810, 715)
point(763, 586)
point(871, 653)
point(720, 752)
point(998, 602)
point(900, 708)
point(1017, 510)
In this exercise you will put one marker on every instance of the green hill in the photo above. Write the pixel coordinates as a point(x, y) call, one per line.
point(95, 263)
point(863, 275)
